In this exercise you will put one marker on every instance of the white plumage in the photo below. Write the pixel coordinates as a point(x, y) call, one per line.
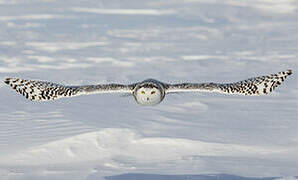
point(148, 92)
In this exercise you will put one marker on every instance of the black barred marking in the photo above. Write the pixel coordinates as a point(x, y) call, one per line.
point(263, 84)
point(147, 85)
point(7, 81)
point(42, 95)
point(253, 86)
point(37, 90)
point(41, 90)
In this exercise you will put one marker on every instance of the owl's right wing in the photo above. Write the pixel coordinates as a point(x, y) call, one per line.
point(42, 90)
point(254, 86)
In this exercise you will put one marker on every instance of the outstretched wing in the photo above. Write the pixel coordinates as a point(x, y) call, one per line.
point(41, 90)
point(253, 86)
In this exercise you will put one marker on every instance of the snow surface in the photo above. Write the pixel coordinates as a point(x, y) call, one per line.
point(92, 137)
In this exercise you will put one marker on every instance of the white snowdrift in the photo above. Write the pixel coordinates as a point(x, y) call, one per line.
point(106, 145)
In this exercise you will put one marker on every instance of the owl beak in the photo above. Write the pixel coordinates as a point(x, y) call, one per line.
point(147, 99)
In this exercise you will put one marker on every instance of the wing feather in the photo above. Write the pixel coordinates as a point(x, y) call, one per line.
point(253, 86)
point(42, 90)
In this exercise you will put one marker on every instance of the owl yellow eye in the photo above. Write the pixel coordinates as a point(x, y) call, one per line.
point(152, 92)
point(143, 92)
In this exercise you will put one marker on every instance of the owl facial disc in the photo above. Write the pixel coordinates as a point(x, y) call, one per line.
point(148, 93)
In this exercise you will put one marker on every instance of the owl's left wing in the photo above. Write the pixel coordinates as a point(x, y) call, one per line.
point(42, 90)
point(253, 86)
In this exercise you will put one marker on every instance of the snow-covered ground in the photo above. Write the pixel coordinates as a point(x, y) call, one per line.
point(100, 136)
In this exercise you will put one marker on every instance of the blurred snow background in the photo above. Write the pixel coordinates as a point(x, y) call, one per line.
point(97, 136)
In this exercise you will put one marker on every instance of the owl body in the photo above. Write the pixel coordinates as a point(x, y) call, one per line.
point(147, 92)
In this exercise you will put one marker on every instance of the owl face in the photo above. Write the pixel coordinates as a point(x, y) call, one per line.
point(148, 95)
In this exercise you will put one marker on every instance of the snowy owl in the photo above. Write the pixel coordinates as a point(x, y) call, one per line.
point(147, 92)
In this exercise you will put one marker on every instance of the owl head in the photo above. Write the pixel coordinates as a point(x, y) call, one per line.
point(149, 93)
